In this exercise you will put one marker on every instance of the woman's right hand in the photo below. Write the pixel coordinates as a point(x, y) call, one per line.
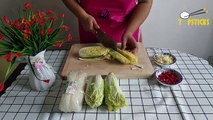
point(89, 23)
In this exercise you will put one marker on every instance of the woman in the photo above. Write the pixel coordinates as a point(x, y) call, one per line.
point(119, 19)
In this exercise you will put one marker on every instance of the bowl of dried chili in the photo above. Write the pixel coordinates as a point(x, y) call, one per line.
point(168, 77)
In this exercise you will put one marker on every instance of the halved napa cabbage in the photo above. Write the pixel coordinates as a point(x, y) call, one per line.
point(114, 97)
point(130, 56)
point(95, 91)
point(93, 51)
point(119, 57)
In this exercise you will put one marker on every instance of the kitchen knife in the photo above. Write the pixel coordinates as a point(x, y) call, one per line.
point(106, 40)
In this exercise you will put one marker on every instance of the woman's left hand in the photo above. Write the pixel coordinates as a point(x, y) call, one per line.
point(129, 43)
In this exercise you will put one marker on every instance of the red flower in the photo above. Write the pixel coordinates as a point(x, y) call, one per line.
point(30, 22)
point(23, 21)
point(1, 36)
point(9, 60)
point(40, 21)
point(62, 15)
point(49, 30)
point(25, 35)
point(69, 37)
point(34, 17)
point(18, 54)
point(58, 44)
point(66, 28)
point(27, 5)
point(41, 14)
point(27, 30)
point(42, 32)
point(5, 18)
point(49, 12)
point(8, 57)
point(14, 24)
point(1, 86)
point(20, 27)
point(52, 19)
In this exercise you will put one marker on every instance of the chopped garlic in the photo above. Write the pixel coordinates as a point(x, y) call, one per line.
point(164, 59)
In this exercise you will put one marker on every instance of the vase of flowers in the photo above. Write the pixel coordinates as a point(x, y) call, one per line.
point(30, 35)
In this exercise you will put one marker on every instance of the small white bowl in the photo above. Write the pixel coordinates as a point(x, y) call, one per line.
point(173, 58)
point(168, 77)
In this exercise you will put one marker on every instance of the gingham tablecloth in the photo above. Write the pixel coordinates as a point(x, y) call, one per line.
point(148, 100)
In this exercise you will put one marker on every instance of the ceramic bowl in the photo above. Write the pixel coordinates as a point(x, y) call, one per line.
point(168, 77)
point(164, 59)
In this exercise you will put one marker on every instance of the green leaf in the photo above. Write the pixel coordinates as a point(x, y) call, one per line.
point(5, 46)
point(4, 52)
point(10, 67)
point(35, 46)
point(53, 35)
point(5, 33)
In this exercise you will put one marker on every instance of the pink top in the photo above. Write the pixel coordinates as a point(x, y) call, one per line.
point(112, 17)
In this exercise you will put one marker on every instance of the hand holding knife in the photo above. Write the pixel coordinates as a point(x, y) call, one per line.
point(129, 42)
point(106, 40)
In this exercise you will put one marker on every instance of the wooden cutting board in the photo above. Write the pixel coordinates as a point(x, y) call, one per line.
point(103, 67)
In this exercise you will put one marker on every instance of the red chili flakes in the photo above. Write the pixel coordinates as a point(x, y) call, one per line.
point(168, 77)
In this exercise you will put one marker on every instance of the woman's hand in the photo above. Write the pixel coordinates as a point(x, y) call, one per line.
point(129, 43)
point(89, 23)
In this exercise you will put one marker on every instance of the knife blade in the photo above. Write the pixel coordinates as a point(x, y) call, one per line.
point(106, 40)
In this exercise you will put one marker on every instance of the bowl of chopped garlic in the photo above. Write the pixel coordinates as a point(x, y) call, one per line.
point(164, 59)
